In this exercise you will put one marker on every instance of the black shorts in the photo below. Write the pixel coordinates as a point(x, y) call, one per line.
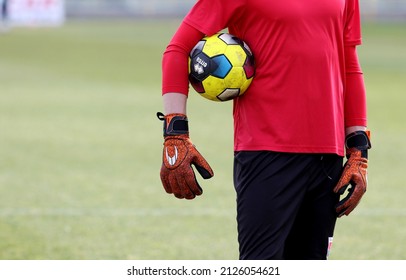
point(285, 204)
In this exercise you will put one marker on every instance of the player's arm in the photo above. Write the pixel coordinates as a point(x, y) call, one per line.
point(174, 102)
point(179, 153)
point(357, 141)
point(175, 61)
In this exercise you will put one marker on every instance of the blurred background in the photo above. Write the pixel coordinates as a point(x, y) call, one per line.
point(47, 11)
point(373, 9)
point(80, 145)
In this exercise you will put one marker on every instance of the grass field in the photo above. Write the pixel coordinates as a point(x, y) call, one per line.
point(80, 150)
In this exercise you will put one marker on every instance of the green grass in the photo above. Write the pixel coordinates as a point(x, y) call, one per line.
point(80, 150)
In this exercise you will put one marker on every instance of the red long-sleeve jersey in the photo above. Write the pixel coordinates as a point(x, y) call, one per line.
point(308, 85)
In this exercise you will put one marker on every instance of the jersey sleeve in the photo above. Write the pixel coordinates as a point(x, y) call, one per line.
point(175, 59)
point(352, 25)
point(205, 18)
point(355, 104)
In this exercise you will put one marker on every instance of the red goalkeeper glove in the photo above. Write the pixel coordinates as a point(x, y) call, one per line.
point(179, 153)
point(354, 172)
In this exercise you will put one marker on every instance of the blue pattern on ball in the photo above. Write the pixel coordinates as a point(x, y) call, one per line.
point(224, 66)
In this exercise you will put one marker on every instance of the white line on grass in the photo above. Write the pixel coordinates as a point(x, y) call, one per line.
point(159, 212)
point(112, 212)
point(381, 212)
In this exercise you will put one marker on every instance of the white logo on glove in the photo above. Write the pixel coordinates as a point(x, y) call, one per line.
point(171, 160)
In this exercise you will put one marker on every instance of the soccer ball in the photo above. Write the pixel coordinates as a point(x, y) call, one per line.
point(221, 67)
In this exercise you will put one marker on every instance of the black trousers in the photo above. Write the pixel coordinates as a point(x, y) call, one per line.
point(285, 204)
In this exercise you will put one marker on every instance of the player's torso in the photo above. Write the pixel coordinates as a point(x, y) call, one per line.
point(293, 9)
point(298, 46)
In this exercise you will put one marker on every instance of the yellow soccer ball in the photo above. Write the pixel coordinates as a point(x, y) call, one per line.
point(221, 67)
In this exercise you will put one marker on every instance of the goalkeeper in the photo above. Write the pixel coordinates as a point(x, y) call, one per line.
point(304, 113)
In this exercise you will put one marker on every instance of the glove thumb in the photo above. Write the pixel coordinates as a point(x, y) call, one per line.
point(202, 166)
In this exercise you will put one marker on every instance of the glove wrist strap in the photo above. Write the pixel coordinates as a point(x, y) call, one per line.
point(174, 124)
point(359, 140)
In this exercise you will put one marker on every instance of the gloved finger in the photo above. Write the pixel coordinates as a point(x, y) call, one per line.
point(341, 187)
point(176, 185)
point(346, 208)
point(164, 174)
point(192, 184)
point(344, 181)
point(344, 203)
point(342, 211)
point(350, 202)
point(202, 166)
point(185, 188)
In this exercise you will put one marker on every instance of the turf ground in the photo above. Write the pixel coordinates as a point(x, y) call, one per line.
point(80, 150)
